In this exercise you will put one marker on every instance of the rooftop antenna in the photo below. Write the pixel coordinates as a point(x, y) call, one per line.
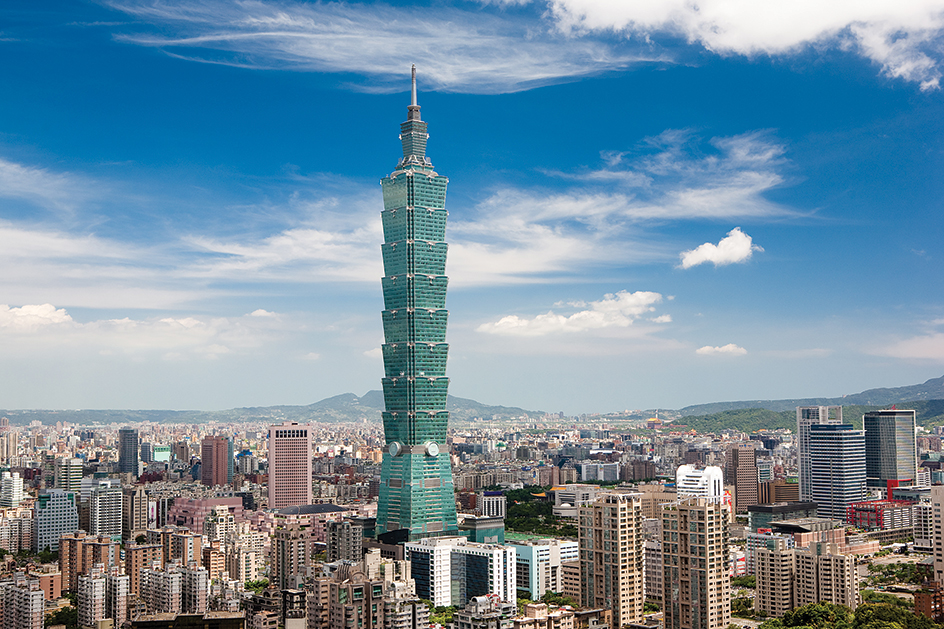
point(413, 95)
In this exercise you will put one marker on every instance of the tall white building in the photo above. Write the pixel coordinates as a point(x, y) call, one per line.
point(11, 489)
point(219, 525)
point(56, 513)
point(491, 503)
point(91, 596)
point(175, 589)
point(692, 481)
point(539, 565)
point(806, 417)
point(105, 508)
point(453, 570)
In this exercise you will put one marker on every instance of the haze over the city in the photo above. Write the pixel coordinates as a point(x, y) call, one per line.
point(649, 206)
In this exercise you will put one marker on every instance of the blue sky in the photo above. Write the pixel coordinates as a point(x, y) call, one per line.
point(650, 206)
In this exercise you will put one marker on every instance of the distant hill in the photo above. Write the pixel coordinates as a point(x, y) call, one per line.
point(931, 390)
point(346, 407)
point(927, 413)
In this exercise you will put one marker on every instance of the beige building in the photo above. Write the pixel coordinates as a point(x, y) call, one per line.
point(138, 556)
point(539, 616)
point(570, 579)
point(653, 496)
point(741, 471)
point(791, 578)
point(695, 570)
point(134, 513)
point(611, 556)
point(78, 552)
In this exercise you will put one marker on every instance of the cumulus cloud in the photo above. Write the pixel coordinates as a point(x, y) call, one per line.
point(902, 38)
point(31, 318)
point(725, 350)
point(614, 310)
point(735, 247)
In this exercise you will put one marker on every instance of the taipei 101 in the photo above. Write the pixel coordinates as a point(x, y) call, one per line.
point(669, 353)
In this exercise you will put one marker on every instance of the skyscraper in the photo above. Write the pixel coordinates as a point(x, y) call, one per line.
point(289, 465)
point(416, 489)
point(806, 417)
point(837, 468)
point(891, 453)
point(611, 556)
point(214, 469)
point(740, 470)
point(128, 450)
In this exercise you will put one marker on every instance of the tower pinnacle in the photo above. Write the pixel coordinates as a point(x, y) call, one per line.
point(414, 109)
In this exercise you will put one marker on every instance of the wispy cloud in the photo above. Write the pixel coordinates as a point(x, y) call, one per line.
point(489, 49)
point(456, 50)
point(614, 310)
point(903, 38)
point(724, 350)
point(44, 187)
point(735, 247)
point(33, 327)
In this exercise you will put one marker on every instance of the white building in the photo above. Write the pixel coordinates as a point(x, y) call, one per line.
point(453, 570)
point(23, 603)
point(69, 474)
point(11, 489)
point(491, 504)
point(55, 514)
point(694, 482)
point(105, 507)
point(539, 564)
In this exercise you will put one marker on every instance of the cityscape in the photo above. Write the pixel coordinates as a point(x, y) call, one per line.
point(154, 262)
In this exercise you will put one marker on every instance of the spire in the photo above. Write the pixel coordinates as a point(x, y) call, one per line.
point(414, 109)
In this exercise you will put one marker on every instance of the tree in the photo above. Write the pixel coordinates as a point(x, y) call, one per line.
point(141, 539)
point(68, 616)
point(819, 616)
point(555, 598)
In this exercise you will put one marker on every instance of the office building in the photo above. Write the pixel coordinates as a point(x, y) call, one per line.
point(215, 468)
point(740, 470)
point(837, 468)
point(540, 563)
point(453, 570)
point(289, 465)
point(105, 508)
point(68, 475)
point(22, 604)
point(491, 504)
point(128, 451)
point(147, 452)
point(345, 541)
point(161, 453)
point(134, 512)
point(808, 416)
point(891, 454)
point(55, 513)
point(695, 565)
point(416, 486)
point(611, 555)
point(11, 489)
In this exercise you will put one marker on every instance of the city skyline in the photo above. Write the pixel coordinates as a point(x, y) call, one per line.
point(648, 210)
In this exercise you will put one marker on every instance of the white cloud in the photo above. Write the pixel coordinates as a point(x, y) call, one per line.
point(31, 318)
point(727, 350)
point(312, 356)
point(53, 190)
point(902, 37)
point(375, 353)
point(454, 50)
point(262, 313)
point(929, 347)
point(735, 247)
point(614, 310)
point(666, 318)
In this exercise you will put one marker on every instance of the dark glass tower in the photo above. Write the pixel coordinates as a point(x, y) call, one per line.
point(416, 489)
point(128, 450)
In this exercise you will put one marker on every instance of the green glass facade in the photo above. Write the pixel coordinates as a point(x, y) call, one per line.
point(416, 489)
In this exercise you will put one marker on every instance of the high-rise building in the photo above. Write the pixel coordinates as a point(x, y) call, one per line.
point(695, 564)
point(891, 454)
point(161, 453)
point(453, 570)
point(289, 465)
point(138, 556)
point(937, 527)
point(11, 489)
point(147, 452)
point(69, 474)
point(491, 503)
point(214, 469)
point(611, 556)
point(78, 553)
point(740, 470)
point(128, 450)
point(806, 417)
point(416, 488)
point(345, 541)
point(134, 512)
point(23, 604)
point(692, 481)
point(91, 596)
point(837, 468)
point(219, 524)
point(105, 506)
point(825, 575)
point(55, 513)
point(540, 563)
